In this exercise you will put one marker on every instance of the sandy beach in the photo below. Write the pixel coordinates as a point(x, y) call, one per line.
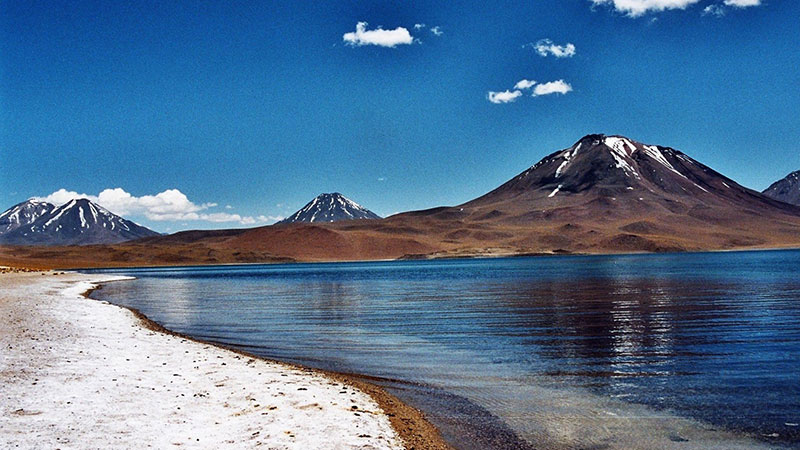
point(80, 373)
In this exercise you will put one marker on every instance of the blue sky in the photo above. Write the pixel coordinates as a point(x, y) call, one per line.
point(228, 114)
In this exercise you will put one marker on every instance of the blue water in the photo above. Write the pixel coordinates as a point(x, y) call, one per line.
point(709, 336)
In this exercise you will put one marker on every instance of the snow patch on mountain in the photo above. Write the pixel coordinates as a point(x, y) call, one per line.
point(23, 214)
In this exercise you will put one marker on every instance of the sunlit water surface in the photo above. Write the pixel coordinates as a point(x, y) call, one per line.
point(499, 349)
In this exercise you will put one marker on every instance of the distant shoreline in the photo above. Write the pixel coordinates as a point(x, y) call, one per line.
point(442, 258)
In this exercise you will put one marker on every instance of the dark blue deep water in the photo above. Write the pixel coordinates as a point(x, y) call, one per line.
point(714, 337)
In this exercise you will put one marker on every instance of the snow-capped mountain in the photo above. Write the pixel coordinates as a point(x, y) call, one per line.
point(612, 193)
point(77, 222)
point(618, 169)
point(330, 208)
point(23, 214)
point(786, 189)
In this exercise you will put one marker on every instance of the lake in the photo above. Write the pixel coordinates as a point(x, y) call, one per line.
point(685, 350)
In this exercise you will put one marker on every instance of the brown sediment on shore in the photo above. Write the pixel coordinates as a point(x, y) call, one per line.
point(408, 422)
point(13, 269)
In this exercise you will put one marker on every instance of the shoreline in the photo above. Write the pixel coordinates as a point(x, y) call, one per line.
point(19, 264)
point(437, 258)
point(408, 422)
point(71, 378)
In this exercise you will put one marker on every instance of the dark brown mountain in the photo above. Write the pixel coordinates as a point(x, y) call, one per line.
point(77, 222)
point(786, 189)
point(610, 193)
point(603, 194)
point(605, 177)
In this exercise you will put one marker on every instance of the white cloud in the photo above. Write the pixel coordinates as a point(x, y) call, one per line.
point(508, 96)
point(714, 10)
point(636, 8)
point(62, 196)
point(503, 97)
point(261, 219)
point(546, 47)
point(221, 217)
point(742, 3)
point(437, 30)
point(552, 87)
point(720, 9)
point(419, 26)
point(169, 205)
point(378, 36)
point(524, 84)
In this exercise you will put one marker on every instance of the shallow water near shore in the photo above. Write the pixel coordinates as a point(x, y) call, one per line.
point(573, 351)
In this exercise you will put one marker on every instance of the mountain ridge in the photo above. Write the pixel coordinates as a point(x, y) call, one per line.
point(787, 189)
point(602, 194)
